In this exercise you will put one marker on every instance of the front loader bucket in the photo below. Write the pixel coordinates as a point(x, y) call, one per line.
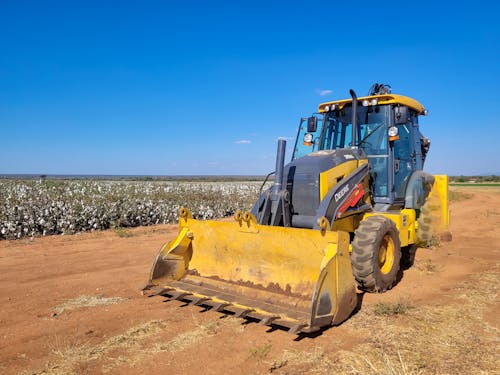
point(295, 278)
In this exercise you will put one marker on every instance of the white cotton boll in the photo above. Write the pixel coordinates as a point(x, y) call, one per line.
point(69, 206)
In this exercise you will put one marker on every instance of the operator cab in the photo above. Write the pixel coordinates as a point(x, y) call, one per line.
point(386, 132)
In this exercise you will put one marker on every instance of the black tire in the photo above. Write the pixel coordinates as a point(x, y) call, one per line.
point(376, 254)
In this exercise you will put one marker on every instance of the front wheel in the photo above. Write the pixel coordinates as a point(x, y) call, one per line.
point(376, 254)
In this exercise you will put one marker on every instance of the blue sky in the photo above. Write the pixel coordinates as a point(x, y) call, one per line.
point(187, 87)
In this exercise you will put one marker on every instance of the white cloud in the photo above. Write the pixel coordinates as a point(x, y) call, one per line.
point(286, 138)
point(324, 92)
point(243, 142)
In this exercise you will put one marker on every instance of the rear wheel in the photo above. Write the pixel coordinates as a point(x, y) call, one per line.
point(376, 254)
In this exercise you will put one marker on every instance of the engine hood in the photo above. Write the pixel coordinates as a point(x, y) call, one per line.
point(302, 177)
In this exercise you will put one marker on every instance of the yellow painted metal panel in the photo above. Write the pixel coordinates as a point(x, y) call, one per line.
point(381, 99)
point(258, 254)
point(411, 227)
point(348, 223)
point(405, 223)
point(329, 178)
point(440, 190)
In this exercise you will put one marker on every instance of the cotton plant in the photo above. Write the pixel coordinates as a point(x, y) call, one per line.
point(32, 208)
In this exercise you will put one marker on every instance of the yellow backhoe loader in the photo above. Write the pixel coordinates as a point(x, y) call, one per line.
point(336, 218)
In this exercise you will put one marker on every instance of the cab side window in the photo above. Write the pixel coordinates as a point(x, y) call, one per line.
point(404, 157)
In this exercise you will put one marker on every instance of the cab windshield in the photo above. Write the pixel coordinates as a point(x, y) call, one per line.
point(370, 135)
point(335, 132)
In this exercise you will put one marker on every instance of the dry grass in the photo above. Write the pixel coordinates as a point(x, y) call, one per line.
point(122, 232)
point(408, 340)
point(74, 358)
point(187, 339)
point(427, 266)
point(491, 213)
point(447, 339)
point(261, 352)
point(303, 362)
point(363, 365)
point(180, 342)
point(129, 348)
point(86, 301)
point(459, 196)
point(396, 308)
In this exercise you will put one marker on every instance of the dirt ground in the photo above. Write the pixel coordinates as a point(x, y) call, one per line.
point(71, 304)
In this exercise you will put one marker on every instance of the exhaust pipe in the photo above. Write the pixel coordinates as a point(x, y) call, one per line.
point(354, 117)
point(278, 183)
point(280, 165)
point(272, 207)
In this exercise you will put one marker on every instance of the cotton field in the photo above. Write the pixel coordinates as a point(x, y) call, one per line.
point(31, 208)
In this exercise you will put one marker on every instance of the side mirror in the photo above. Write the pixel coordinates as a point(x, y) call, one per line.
point(312, 124)
point(400, 115)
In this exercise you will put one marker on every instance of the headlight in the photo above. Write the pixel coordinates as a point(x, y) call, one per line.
point(393, 131)
point(328, 108)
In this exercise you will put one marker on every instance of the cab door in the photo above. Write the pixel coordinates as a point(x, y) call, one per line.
point(404, 156)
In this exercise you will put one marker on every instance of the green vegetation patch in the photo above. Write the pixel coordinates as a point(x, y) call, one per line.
point(475, 184)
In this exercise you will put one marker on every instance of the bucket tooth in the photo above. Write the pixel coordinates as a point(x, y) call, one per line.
point(220, 306)
point(264, 319)
point(297, 328)
point(179, 295)
point(242, 312)
point(216, 305)
point(268, 320)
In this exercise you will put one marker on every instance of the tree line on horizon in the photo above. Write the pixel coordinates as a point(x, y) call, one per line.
point(475, 179)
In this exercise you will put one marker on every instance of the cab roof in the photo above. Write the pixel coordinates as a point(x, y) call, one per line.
point(381, 100)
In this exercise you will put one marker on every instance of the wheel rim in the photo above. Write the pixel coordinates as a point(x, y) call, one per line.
point(386, 254)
